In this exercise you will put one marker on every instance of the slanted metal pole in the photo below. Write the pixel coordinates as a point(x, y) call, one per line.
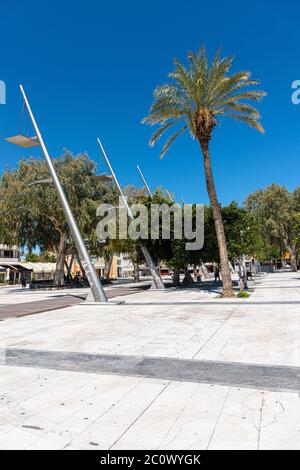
point(95, 284)
point(169, 196)
point(156, 277)
point(245, 272)
point(144, 181)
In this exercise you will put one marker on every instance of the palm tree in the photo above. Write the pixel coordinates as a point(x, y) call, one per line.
point(196, 98)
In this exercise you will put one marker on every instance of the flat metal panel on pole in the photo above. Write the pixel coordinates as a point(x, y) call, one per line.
point(156, 277)
point(94, 281)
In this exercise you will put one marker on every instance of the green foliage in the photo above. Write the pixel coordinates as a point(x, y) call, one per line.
point(199, 95)
point(277, 213)
point(241, 231)
point(31, 213)
point(243, 295)
point(43, 257)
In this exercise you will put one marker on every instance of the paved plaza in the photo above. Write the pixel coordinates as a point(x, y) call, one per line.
point(181, 369)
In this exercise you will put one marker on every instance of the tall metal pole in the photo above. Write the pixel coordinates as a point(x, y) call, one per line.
point(245, 272)
point(156, 277)
point(144, 181)
point(95, 284)
point(169, 196)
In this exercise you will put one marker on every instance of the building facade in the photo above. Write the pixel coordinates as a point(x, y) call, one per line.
point(9, 261)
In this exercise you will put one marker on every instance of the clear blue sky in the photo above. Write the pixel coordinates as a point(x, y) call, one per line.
point(89, 69)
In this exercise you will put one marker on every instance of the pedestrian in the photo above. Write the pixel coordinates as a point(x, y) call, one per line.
point(23, 281)
point(217, 274)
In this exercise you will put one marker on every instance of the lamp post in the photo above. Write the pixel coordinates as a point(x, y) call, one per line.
point(156, 277)
point(169, 196)
point(144, 181)
point(94, 281)
point(244, 263)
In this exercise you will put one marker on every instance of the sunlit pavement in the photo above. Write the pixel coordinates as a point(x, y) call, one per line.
point(178, 369)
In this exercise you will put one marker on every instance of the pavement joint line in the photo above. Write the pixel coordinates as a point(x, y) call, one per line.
point(103, 413)
point(237, 374)
point(214, 333)
point(260, 419)
point(140, 415)
point(218, 418)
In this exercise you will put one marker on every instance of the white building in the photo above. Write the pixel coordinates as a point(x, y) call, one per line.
point(9, 261)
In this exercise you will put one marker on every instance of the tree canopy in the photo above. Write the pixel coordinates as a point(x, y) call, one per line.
point(277, 213)
point(31, 213)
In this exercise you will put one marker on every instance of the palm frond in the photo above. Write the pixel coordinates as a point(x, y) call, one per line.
point(171, 140)
point(159, 132)
point(245, 108)
point(199, 92)
point(251, 121)
point(160, 117)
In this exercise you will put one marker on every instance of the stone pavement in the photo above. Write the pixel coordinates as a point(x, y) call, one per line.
point(46, 300)
point(167, 370)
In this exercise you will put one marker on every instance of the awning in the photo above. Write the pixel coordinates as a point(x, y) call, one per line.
point(2, 269)
point(38, 268)
point(34, 267)
point(25, 266)
point(13, 266)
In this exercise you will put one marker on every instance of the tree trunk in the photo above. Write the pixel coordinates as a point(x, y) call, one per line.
point(107, 266)
point(60, 262)
point(136, 272)
point(176, 277)
point(135, 262)
point(293, 256)
point(210, 185)
point(187, 277)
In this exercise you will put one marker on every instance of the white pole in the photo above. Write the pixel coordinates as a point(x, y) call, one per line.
point(156, 277)
point(169, 196)
point(144, 181)
point(94, 281)
point(245, 272)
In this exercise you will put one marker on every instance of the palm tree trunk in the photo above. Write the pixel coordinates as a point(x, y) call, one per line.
point(210, 185)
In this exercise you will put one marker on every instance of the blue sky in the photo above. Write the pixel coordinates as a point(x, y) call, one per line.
point(89, 69)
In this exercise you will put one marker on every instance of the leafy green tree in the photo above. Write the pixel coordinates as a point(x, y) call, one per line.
point(33, 214)
point(197, 98)
point(241, 231)
point(43, 257)
point(277, 212)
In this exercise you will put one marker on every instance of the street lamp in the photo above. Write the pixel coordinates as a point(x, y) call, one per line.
point(158, 283)
point(244, 263)
point(26, 142)
point(144, 181)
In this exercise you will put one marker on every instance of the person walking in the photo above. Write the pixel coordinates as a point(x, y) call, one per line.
point(217, 274)
point(23, 281)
